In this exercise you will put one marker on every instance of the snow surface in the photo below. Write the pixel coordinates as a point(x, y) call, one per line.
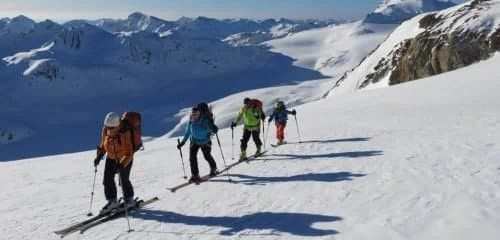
point(414, 161)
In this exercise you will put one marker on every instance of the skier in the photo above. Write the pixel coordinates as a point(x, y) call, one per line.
point(117, 144)
point(199, 129)
point(280, 117)
point(252, 114)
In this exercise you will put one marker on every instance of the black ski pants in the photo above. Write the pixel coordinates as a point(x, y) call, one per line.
point(193, 157)
point(246, 137)
point(113, 167)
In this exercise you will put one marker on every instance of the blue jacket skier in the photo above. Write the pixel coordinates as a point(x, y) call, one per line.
point(280, 117)
point(199, 130)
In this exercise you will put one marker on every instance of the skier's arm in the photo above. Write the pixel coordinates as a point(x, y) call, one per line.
point(187, 134)
point(273, 115)
point(239, 116)
point(289, 112)
point(103, 136)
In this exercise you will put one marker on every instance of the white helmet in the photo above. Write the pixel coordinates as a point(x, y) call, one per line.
point(112, 120)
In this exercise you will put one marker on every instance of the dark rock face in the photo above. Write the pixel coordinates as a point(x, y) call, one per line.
point(437, 50)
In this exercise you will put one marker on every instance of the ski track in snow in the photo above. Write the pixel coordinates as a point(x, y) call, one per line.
point(414, 161)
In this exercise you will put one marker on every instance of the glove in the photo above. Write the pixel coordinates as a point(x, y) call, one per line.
point(263, 117)
point(215, 129)
point(180, 144)
point(294, 112)
point(96, 161)
point(270, 119)
point(233, 124)
point(99, 155)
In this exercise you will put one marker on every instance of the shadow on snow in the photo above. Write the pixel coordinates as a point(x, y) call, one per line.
point(299, 224)
point(357, 154)
point(317, 177)
point(334, 140)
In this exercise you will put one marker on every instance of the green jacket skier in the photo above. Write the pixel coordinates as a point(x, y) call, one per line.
point(251, 114)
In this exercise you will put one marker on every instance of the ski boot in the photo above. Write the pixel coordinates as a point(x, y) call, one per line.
point(243, 156)
point(195, 179)
point(213, 172)
point(112, 204)
point(258, 153)
point(130, 202)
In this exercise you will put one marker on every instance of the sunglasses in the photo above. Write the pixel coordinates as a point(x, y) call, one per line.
point(110, 128)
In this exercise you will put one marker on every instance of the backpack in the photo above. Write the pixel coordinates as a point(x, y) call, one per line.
point(132, 121)
point(205, 109)
point(256, 103)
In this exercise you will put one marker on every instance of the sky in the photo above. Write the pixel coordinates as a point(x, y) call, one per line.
point(63, 10)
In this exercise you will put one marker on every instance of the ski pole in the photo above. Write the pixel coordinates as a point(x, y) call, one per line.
point(182, 160)
point(232, 144)
point(126, 207)
point(297, 125)
point(222, 154)
point(92, 194)
point(268, 126)
point(264, 133)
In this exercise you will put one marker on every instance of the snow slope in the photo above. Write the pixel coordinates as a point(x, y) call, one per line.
point(332, 50)
point(414, 161)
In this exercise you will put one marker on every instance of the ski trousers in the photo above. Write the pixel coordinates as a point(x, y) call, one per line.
point(193, 158)
point(111, 168)
point(246, 137)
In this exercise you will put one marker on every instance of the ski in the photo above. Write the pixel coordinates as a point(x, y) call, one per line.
point(278, 144)
point(76, 227)
point(116, 214)
point(208, 177)
point(73, 227)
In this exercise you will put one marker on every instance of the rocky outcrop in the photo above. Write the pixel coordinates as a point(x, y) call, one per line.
point(439, 48)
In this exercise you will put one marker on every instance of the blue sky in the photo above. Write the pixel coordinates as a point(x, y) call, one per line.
point(61, 10)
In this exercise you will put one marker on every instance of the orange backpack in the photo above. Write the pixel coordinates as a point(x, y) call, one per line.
point(132, 121)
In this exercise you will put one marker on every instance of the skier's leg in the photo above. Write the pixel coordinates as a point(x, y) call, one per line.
point(109, 179)
point(256, 138)
point(277, 132)
point(244, 144)
point(281, 134)
point(128, 189)
point(206, 149)
point(245, 139)
point(193, 158)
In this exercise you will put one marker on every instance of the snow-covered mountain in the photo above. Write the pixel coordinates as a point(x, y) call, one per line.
point(151, 72)
point(275, 30)
point(397, 11)
point(19, 24)
point(237, 32)
point(429, 44)
point(23, 34)
point(134, 22)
